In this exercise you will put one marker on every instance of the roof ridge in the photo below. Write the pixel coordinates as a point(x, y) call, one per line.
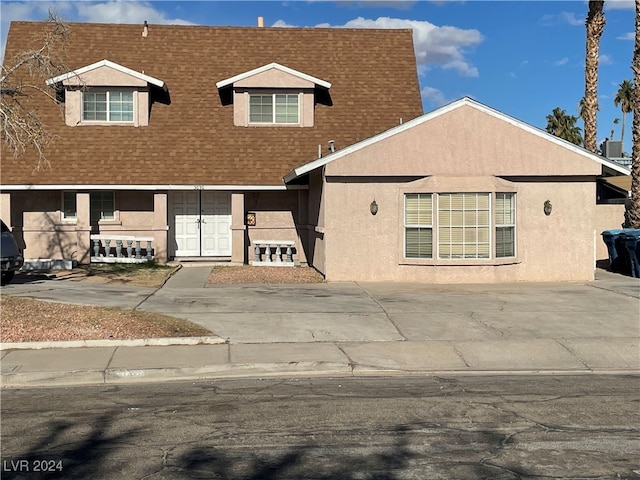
point(235, 27)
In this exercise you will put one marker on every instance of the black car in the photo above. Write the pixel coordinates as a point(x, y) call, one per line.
point(11, 258)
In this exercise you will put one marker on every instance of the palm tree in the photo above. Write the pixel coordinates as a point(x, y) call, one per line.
point(564, 126)
point(633, 213)
point(615, 122)
point(581, 108)
point(595, 27)
point(625, 99)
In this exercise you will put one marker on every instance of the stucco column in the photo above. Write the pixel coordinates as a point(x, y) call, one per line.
point(160, 227)
point(5, 208)
point(83, 227)
point(238, 228)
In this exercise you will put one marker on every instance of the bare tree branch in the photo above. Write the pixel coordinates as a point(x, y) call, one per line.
point(24, 77)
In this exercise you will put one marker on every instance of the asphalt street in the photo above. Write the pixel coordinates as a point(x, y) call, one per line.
point(382, 428)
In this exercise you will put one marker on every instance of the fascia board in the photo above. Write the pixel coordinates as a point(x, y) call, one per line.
point(110, 64)
point(277, 66)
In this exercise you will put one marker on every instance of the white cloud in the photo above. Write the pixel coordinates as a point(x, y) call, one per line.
point(433, 97)
point(570, 18)
point(434, 46)
point(627, 36)
point(562, 61)
point(605, 59)
point(619, 4)
point(283, 24)
point(124, 12)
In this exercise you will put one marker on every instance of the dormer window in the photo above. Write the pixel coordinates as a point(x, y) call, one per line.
point(273, 95)
point(274, 108)
point(106, 93)
point(107, 105)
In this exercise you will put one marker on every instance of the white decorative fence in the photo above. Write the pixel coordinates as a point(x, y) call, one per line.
point(121, 249)
point(277, 253)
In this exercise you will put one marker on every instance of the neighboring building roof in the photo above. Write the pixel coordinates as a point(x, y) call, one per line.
point(275, 66)
point(105, 63)
point(465, 101)
point(191, 138)
point(622, 182)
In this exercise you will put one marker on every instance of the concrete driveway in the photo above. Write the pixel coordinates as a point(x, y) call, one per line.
point(357, 312)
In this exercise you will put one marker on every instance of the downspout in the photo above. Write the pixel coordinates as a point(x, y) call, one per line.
point(324, 226)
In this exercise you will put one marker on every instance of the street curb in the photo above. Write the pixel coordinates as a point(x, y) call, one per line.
point(120, 376)
point(143, 342)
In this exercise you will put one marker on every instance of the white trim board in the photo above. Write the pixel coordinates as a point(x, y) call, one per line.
point(276, 66)
point(320, 162)
point(110, 64)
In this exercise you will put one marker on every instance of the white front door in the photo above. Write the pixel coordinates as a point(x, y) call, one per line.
point(201, 223)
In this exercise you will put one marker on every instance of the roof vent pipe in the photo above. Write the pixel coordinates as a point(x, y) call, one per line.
point(260, 22)
point(319, 151)
point(145, 30)
point(332, 146)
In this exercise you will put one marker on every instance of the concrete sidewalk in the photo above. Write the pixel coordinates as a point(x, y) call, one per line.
point(345, 329)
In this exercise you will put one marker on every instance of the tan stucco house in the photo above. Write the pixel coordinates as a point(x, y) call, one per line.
point(303, 146)
point(182, 135)
point(461, 194)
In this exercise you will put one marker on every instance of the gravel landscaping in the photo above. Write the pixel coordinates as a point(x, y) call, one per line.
point(255, 275)
point(27, 320)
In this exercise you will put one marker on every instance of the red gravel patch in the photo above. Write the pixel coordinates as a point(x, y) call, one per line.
point(250, 274)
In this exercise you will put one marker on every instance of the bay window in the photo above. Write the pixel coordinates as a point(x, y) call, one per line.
point(505, 225)
point(478, 225)
point(463, 225)
point(418, 222)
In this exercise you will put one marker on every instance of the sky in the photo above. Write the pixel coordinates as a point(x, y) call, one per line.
point(523, 58)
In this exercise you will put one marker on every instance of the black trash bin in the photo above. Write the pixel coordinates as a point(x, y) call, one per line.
point(617, 250)
point(631, 239)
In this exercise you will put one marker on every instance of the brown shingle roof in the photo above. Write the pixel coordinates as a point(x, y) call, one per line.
point(193, 140)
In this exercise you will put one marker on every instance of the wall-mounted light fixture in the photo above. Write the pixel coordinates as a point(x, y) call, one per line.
point(251, 219)
point(373, 208)
point(547, 207)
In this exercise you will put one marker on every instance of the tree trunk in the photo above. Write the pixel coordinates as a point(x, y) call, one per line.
point(595, 26)
point(634, 208)
point(624, 116)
